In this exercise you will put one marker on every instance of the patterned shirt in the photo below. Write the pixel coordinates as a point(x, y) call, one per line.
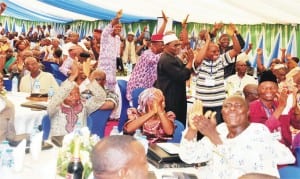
point(110, 49)
point(63, 118)
point(144, 74)
point(254, 150)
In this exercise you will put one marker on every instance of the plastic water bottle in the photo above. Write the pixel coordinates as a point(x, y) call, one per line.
point(114, 131)
point(129, 68)
point(7, 160)
point(138, 134)
point(3, 146)
point(7, 163)
point(50, 93)
point(142, 139)
point(77, 128)
point(36, 86)
point(34, 131)
point(15, 82)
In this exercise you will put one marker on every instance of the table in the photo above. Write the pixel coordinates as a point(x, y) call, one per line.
point(25, 118)
point(45, 167)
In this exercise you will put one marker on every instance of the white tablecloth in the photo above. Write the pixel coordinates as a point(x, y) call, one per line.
point(25, 118)
point(45, 168)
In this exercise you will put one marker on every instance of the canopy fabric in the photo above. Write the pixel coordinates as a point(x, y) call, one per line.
point(200, 11)
point(270, 25)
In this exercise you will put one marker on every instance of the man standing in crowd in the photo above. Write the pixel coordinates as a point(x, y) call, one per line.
point(172, 75)
point(110, 48)
point(210, 73)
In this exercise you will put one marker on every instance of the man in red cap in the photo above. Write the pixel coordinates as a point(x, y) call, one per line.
point(145, 72)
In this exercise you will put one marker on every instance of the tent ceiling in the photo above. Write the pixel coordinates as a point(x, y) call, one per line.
point(201, 11)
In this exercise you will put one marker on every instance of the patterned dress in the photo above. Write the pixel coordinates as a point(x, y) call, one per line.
point(144, 74)
point(110, 49)
point(151, 128)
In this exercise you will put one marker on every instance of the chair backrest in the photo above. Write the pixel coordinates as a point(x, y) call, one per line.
point(7, 83)
point(96, 121)
point(56, 73)
point(135, 96)
point(177, 133)
point(125, 104)
point(289, 172)
point(47, 66)
point(46, 125)
point(297, 153)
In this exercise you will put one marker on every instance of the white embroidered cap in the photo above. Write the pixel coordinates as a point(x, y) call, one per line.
point(278, 66)
point(169, 38)
point(242, 57)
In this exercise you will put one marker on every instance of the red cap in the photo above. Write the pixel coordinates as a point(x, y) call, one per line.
point(157, 38)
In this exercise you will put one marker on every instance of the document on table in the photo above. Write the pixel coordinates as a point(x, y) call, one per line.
point(171, 148)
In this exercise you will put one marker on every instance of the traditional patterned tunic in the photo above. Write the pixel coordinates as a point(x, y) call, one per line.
point(110, 49)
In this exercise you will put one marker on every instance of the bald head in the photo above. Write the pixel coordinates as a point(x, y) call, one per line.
point(99, 76)
point(115, 154)
point(250, 92)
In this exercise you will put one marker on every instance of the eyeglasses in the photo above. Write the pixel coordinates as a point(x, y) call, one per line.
point(100, 79)
point(235, 105)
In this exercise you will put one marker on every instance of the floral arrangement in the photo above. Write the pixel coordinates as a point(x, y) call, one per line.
point(66, 151)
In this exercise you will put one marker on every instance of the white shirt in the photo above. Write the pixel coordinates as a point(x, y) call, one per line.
point(254, 150)
point(234, 83)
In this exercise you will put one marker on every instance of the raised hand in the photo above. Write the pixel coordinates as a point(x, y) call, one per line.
point(259, 51)
point(184, 22)
point(231, 29)
point(119, 14)
point(164, 16)
point(218, 26)
point(207, 36)
point(189, 55)
point(2, 7)
point(195, 110)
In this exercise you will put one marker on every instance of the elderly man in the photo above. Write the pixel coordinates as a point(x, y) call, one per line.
point(119, 157)
point(112, 99)
point(110, 48)
point(271, 112)
point(67, 111)
point(36, 81)
point(172, 75)
point(145, 73)
point(250, 92)
point(235, 147)
point(235, 83)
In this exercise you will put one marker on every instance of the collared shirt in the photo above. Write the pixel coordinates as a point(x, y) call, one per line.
point(212, 96)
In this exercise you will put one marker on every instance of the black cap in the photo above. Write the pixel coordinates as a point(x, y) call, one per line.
point(267, 76)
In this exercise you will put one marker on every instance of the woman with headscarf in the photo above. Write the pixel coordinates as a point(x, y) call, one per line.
point(151, 117)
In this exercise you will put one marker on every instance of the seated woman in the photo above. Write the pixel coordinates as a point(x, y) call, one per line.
point(235, 147)
point(66, 109)
point(151, 117)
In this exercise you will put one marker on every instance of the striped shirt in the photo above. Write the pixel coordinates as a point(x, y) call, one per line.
point(212, 95)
